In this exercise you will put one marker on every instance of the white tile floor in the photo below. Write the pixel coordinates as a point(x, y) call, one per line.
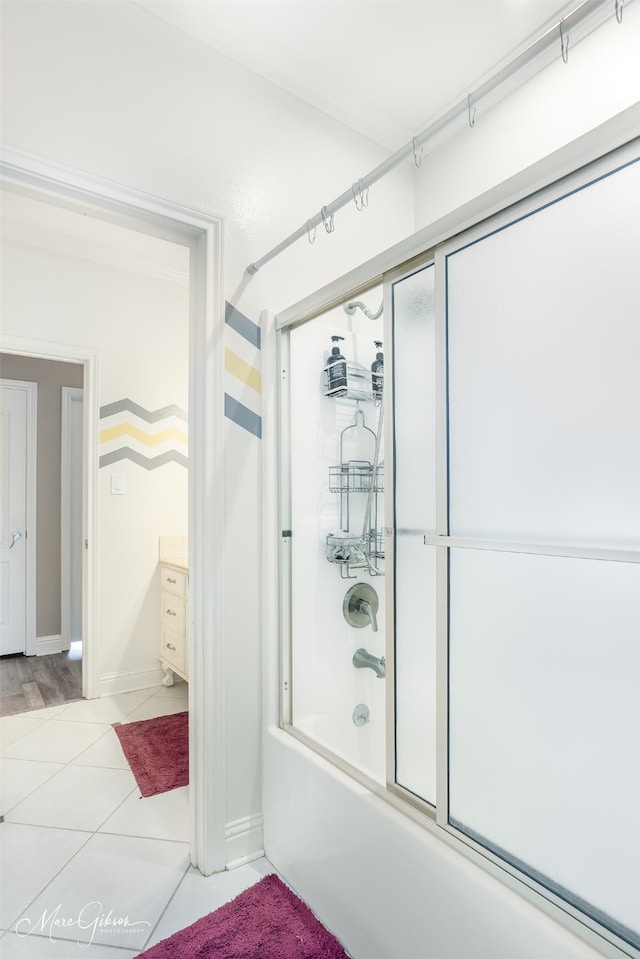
point(79, 846)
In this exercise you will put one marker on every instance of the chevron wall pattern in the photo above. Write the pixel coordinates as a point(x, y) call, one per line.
point(150, 438)
point(153, 438)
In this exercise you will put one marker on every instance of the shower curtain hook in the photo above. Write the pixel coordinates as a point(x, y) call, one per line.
point(360, 196)
point(311, 239)
point(327, 221)
point(418, 162)
point(472, 112)
point(564, 44)
point(619, 6)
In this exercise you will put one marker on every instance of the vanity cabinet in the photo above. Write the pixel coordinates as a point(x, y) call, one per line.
point(174, 597)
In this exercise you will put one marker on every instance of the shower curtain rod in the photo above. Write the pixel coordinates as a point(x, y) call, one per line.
point(557, 36)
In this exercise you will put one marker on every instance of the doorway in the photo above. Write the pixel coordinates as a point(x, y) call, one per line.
point(17, 508)
point(39, 668)
point(201, 235)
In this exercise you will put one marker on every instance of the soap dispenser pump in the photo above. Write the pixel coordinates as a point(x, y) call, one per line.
point(377, 370)
point(337, 368)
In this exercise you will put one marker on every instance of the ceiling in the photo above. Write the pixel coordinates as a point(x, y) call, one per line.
point(386, 68)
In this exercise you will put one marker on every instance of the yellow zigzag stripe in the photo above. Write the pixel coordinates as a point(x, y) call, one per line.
point(235, 365)
point(149, 439)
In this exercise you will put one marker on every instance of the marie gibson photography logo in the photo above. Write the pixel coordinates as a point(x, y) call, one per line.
point(91, 917)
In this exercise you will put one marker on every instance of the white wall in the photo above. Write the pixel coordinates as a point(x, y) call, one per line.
point(110, 89)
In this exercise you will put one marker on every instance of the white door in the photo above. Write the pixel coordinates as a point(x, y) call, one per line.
point(13, 504)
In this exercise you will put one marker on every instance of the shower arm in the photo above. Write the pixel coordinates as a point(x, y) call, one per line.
point(354, 305)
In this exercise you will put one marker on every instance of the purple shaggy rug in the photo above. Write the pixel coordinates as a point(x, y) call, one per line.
point(157, 751)
point(267, 921)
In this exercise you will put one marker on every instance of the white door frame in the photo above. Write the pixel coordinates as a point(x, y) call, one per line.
point(64, 186)
point(69, 395)
point(31, 390)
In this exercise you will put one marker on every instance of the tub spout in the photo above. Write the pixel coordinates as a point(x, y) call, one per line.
point(363, 660)
point(364, 607)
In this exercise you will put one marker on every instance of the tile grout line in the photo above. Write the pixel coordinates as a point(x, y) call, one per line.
point(167, 904)
point(90, 834)
point(46, 886)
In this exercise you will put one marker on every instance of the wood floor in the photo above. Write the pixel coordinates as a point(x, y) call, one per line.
point(31, 682)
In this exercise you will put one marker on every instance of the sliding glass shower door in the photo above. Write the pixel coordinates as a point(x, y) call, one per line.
point(517, 542)
point(460, 541)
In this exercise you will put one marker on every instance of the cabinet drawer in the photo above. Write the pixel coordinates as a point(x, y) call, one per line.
point(174, 649)
point(173, 580)
point(173, 612)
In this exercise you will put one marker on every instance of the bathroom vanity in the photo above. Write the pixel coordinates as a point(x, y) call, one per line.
point(174, 598)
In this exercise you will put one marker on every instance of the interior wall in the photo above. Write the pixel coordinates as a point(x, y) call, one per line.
point(50, 377)
point(180, 121)
point(139, 325)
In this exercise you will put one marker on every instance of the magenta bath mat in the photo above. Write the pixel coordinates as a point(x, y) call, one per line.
point(267, 921)
point(157, 751)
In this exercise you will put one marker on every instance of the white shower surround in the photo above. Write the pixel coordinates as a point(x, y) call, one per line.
point(325, 685)
point(342, 845)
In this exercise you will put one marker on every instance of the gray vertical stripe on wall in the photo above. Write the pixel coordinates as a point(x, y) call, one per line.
point(242, 416)
point(233, 409)
point(242, 324)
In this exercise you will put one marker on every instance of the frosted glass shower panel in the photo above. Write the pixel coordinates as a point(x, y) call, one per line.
point(544, 721)
point(544, 373)
point(415, 515)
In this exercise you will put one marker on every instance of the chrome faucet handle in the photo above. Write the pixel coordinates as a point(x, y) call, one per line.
point(367, 608)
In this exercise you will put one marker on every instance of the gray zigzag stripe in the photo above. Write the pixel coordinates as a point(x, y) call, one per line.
point(148, 462)
point(151, 416)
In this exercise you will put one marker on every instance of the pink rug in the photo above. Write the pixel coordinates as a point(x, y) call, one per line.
point(157, 751)
point(267, 921)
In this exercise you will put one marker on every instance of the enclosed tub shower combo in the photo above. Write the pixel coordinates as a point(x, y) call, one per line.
point(459, 523)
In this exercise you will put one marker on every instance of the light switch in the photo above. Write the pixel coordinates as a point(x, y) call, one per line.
point(118, 484)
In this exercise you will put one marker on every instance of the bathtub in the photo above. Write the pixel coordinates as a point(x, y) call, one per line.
point(361, 746)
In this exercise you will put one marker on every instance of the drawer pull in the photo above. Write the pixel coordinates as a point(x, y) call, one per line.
point(170, 580)
point(171, 612)
point(170, 646)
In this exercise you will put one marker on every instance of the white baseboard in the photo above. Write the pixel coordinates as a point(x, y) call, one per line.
point(243, 840)
point(132, 679)
point(45, 645)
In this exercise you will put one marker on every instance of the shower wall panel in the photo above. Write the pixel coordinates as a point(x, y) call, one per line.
point(326, 687)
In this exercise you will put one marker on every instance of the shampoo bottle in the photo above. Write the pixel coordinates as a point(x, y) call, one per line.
point(337, 368)
point(377, 370)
